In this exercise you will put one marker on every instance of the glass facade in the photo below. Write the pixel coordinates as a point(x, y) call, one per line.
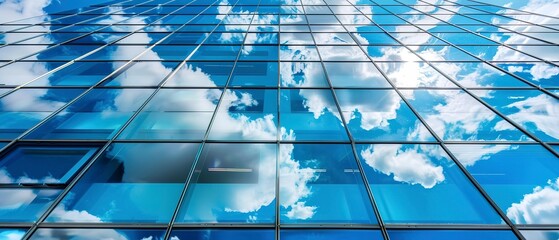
point(280, 120)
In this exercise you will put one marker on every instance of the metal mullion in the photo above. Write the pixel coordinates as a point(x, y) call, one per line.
point(186, 184)
point(85, 168)
point(279, 134)
point(472, 180)
point(493, 109)
point(366, 184)
point(480, 59)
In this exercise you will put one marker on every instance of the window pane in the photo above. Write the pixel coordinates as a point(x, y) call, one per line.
point(357, 74)
point(77, 74)
point(24, 108)
point(25, 205)
point(246, 115)
point(540, 235)
point(380, 115)
point(451, 234)
point(223, 234)
point(142, 74)
point(201, 74)
point(245, 173)
point(424, 173)
point(454, 115)
point(97, 233)
point(316, 179)
point(309, 114)
point(29, 164)
point(302, 74)
point(175, 114)
point(124, 180)
point(414, 74)
point(97, 115)
point(263, 74)
point(12, 234)
point(522, 179)
point(330, 234)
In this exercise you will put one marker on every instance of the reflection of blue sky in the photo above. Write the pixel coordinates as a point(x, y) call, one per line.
point(521, 179)
point(424, 173)
point(92, 234)
point(12, 234)
point(451, 234)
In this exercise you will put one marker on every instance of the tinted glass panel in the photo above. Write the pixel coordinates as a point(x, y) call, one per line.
point(25, 205)
point(109, 234)
point(451, 234)
point(329, 234)
point(223, 234)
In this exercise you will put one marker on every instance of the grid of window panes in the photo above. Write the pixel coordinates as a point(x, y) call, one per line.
point(280, 119)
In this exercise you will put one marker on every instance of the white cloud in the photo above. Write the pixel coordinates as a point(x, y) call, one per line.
point(11, 234)
point(541, 206)
point(468, 154)
point(409, 166)
point(73, 233)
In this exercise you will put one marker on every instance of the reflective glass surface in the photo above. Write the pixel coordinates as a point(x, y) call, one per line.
point(25, 204)
point(326, 234)
point(451, 234)
point(123, 177)
point(222, 234)
point(104, 233)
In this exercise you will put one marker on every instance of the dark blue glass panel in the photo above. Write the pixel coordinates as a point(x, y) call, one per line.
point(23, 109)
point(316, 179)
point(440, 191)
point(256, 52)
point(329, 234)
point(540, 234)
point(98, 233)
point(201, 74)
point(218, 53)
point(245, 173)
point(264, 74)
point(246, 115)
point(359, 74)
point(142, 38)
point(380, 115)
point(124, 178)
point(25, 205)
point(310, 114)
point(12, 234)
point(532, 109)
point(97, 115)
point(223, 234)
point(229, 37)
point(455, 115)
point(451, 234)
point(175, 114)
point(261, 38)
point(43, 164)
point(302, 74)
point(522, 179)
point(145, 74)
point(185, 38)
point(116, 52)
point(77, 74)
point(67, 52)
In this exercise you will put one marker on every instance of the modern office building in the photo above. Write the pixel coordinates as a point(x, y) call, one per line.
point(280, 120)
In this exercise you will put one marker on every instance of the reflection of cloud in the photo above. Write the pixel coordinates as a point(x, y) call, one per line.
point(409, 166)
point(539, 207)
point(13, 199)
point(542, 111)
point(11, 234)
point(82, 234)
point(468, 155)
point(18, 9)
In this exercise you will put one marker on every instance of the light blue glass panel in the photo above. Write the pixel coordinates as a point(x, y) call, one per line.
point(25, 205)
point(218, 53)
point(310, 114)
point(355, 74)
point(421, 184)
point(522, 179)
point(414, 74)
point(185, 38)
point(97, 115)
point(23, 109)
point(112, 52)
point(540, 73)
point(19, 73)
point(167, 53)
point(540, 234)
point(77, 74)
point(330, 234)
point(333, 38)
point(144, 74)
point(231, 36)
point(342, 53)
point(478, 75)
point(293, 19)
point(375, 39)
point(201, 74)
point(222, 234)
point(262, 74)
point(124, 180)
point(298, 53)
point(302, 74)
point(380, 115)
point(261, 38)
point(455, 115)
point(175, 114)
point(12, 234)
point(535, 111)
point(316, 179)
point(246, 115)
point(256, 52)
point(43, 164)
point(98, 233)
point(296, 38)
point(245, 173)
point(451, 234)
point(444, 53)
point(322, 19)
